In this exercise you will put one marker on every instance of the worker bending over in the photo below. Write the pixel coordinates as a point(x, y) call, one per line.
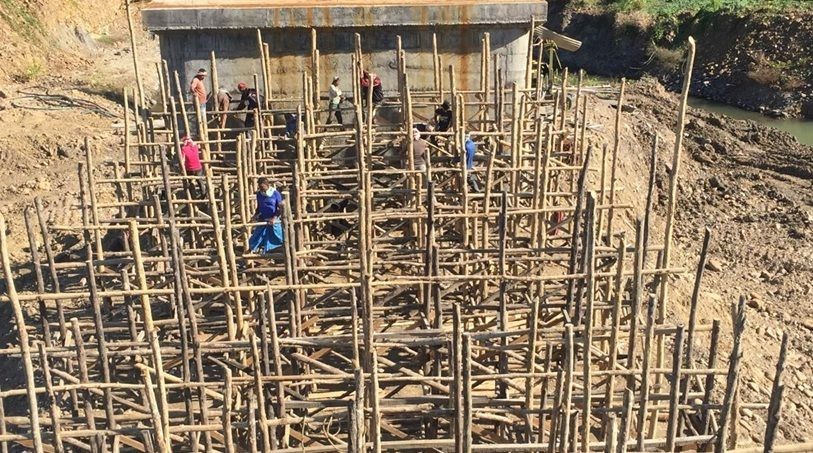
point(249, 102)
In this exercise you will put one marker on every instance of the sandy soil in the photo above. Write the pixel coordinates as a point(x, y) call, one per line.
point(44, 121)
point(751, 185)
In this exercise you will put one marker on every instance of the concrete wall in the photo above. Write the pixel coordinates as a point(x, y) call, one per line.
point(238, 55)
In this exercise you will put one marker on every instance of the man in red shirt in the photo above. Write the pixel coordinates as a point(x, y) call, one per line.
point(190, 157)
point(198, 90)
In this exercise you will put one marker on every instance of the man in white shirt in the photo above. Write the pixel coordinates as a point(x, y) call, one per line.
point(335, 99)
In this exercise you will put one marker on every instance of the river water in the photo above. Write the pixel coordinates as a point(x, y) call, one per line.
point(802, 129)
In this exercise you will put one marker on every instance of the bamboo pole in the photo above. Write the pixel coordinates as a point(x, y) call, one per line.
point(25, 348)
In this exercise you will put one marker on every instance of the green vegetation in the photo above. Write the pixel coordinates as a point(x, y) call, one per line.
point(673, 7)
point(31, 72)
point(668, 15)
point(19, 16)
point(778, 74)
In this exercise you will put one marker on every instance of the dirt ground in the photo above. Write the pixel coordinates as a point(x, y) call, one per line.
point(752, 186)
point(45, 117)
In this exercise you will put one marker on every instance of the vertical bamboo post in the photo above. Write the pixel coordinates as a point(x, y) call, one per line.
point(436, 66)
point(259, 394)
point(566, 414)
point(530, 367)
point(101, 344)
point(649, 337)
point(25, 348)
point(161, 435)
point(126, 131)
point(589, 256)
point(457, 354)
point(134, 50)
point(152, 337)
point(775, 406)
point(468, 410)
point(705, 413)
point(358, 419)
point(529, 58)
point(81, 359)
point(375, 420)
point(53, 409)
point(616, 147)
point(162, 87)
point(626, 420)
point(618, 299)
point(732, 378)
point(263, 65)
point(228, 442)
point(674, 393)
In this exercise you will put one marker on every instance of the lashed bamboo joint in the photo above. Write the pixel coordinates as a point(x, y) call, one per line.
point(405, 311)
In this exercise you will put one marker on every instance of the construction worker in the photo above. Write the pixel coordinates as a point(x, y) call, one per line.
point(291, 125)
point(190, 159)
point(248, 101)
point(335, 98)
point(443, 117)
point(419, 149)
point(198, 91)
point(223, 105)
point(268, 237)
point(471, 150)
point(371, 80)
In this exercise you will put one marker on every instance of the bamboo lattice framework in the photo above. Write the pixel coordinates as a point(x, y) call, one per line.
point(404, 312)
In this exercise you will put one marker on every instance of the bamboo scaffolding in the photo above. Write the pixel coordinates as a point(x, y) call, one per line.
point(405, 311)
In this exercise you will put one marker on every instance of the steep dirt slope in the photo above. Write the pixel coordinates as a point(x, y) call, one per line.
point(63, 66)
point(752, 186)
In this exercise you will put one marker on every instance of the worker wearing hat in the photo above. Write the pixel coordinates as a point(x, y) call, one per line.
point(250, 102)
point(198, 91)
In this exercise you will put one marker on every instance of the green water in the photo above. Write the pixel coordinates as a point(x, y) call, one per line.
point(802, 129)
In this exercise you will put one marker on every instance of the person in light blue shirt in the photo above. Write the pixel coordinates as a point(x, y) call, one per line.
point(471, 150)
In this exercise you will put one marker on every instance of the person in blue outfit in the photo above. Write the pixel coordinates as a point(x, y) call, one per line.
point(471, 150)
point(266, 238)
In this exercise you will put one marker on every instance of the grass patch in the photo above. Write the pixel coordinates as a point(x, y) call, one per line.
point(32, 71)
point(22, 19)
point(674, 7)
point(774, 73)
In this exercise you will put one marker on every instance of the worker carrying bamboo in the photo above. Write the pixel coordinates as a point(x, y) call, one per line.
point(198, 91)
point(268, 237)
point(190, 159)
point(335, 99)
point(249, 102)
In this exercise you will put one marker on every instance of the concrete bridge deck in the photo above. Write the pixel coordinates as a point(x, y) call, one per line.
point(222, 14)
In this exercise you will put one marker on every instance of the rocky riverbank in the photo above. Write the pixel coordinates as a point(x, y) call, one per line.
point(760, 61)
